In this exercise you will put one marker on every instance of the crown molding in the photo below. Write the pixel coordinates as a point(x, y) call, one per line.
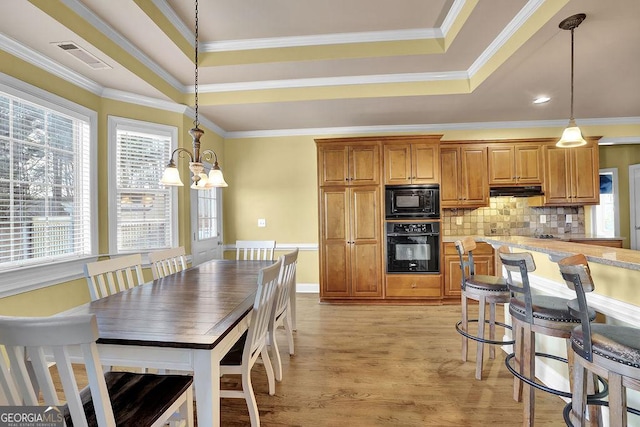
point(132, 98)
point(322, 40)
point(34, 57)
point(175, 20)
point(331, 81)
point(427, 128)
point(521, 17)
point(452, 15)
point(85, 13)
point(619, 140)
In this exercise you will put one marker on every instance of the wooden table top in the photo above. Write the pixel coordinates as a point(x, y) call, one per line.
point(194, 308)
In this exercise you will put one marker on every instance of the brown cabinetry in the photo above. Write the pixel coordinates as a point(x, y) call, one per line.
point(571, 175)
point(344, 164)
point(350, 204)
point(483, 259)
point(414, 286)
point(350, 250)
point(411, 163)
point(464, 181)
point(515, 164)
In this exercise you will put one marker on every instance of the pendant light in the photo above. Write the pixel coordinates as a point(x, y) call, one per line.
point(201, 181)
point(572, 136)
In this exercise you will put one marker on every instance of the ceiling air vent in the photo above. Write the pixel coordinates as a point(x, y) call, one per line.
point(79, 53)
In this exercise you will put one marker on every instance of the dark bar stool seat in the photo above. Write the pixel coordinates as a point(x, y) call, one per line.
point(609, 351)
point(534, 314)
point(487, 290)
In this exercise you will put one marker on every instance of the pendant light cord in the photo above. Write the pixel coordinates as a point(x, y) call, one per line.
point(196, 122)
point(571, 118)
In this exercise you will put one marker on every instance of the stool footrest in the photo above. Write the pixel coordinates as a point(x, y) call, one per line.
point(484, 340)
point(533, 383)
point(569, 406)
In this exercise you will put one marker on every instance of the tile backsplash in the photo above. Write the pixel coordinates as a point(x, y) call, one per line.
point(512, 216)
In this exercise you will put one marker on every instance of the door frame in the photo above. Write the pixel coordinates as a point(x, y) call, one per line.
point(634, 205)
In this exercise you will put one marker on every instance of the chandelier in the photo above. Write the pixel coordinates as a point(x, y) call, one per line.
point(201, 181)
point(572, 136)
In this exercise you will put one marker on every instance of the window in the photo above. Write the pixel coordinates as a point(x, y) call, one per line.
point(45, 179)
point(142, 212)
point(208, 214)
point(605, 217)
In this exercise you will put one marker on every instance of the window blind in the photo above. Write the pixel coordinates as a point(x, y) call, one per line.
point(144, 209)
point(45, 210)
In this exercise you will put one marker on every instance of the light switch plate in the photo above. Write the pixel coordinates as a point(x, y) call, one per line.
point(543, 219)
point(458, 220)
point(569, 219)
point(262, 222)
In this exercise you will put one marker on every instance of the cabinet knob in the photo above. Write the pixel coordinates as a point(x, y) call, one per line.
point(413, 286)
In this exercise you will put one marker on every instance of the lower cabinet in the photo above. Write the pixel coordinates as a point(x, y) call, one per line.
point(483, 258)
point(414, 286)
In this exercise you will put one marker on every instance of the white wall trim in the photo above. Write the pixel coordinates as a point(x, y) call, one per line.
point(307, 288)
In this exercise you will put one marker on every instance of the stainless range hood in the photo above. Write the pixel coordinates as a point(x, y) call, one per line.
point(521, 191)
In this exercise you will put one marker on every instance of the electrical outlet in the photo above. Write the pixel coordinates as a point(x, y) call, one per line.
point(569, 219)
point(543, 219)
point(458, 220)
point(262, 222)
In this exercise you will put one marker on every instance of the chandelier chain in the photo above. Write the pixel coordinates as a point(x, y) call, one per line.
point(572, 29)
point(196, 122)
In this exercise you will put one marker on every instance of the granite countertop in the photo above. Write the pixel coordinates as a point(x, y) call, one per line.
point(558, 249)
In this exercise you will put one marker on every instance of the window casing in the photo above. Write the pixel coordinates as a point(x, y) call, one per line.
point(605, 217)
point(45, 180)
point(142, 212)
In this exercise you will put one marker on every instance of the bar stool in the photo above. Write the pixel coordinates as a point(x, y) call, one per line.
point(531, 315)
point(487, 290)
point(607, 350)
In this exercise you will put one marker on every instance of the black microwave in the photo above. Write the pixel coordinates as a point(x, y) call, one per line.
point(412, 201)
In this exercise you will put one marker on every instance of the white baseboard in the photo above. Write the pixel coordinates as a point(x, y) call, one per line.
point(307, 288)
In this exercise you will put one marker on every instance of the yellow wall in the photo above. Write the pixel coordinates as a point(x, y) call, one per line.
point(272, 178)
point(621, 157)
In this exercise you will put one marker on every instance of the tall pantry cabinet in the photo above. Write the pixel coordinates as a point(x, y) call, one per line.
point(350, 212)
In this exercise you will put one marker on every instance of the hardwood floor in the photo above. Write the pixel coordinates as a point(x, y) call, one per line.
point(383, 366)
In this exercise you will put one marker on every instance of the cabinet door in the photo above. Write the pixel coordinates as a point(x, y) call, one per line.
point(473, 168)
point(528, 160)
point(333, 165)
point(502, 164)
point(557, 176)
point(397, 164)
point(364, 165)
point(450, 178)
point(585, 185)
point(334, 246)
point(424, 164)
point(366, 242)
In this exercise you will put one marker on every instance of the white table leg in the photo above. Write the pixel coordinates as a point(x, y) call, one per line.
point(206, 378)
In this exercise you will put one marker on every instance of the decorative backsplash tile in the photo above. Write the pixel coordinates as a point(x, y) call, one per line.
point(512, 216)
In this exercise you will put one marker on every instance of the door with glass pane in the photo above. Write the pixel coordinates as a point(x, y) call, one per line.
point(206, 225)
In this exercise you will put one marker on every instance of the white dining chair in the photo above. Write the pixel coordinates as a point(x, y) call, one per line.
point(281, 315)
point(253, 343)
point(255, 249)
point(167, 261)
point(112, 398)
point(113, 275)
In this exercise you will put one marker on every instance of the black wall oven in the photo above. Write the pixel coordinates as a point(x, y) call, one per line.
point(413, 247)
point(412, 201)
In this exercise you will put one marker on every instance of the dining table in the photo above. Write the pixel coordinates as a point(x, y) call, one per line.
point(186, 321)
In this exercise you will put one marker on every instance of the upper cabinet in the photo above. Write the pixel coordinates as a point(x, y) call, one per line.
point(464, 181)
point(349, 164)
point(571, 175)
point(515, 164)
point(412, 163)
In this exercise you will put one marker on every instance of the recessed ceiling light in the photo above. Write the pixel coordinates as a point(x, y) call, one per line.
point(541, 100)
